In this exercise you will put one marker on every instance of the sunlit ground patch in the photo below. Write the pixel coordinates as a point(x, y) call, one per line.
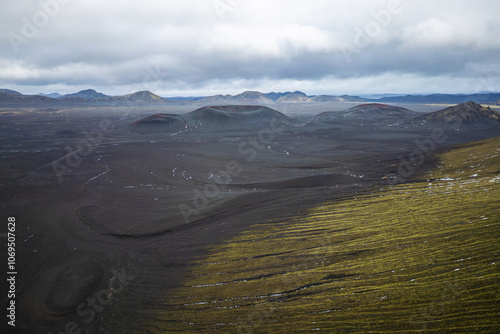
point(415, 257)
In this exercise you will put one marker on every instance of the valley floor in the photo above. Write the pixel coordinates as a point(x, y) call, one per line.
point(320, 226)
point(409, 258)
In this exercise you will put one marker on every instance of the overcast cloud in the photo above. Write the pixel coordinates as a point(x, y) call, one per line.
point(208, 47)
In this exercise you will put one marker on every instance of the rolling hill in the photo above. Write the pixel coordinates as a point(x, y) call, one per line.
point(372, 112)
point(215, 118)
point(465, 116)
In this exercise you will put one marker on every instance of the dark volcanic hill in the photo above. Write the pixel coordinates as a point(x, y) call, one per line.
point(216, 118)
point(371, 113)
point(465, 116)
point(234, 117)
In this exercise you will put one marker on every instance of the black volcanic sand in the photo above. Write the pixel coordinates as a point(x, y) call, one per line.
point(99, 247)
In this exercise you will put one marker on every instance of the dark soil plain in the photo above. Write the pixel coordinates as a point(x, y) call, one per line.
point(249, 219)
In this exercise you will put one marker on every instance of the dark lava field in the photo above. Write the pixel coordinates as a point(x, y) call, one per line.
point(249, 219)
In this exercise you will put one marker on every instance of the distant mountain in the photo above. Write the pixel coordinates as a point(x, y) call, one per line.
point(252, 97)
point(379, 96)
point(17, 98)
point(441, 98)
point(145, 96)
point(489, 92)
point(330, 98)
point(248, 97)
point(51, 95)
point(215, 99)
point(88, 94)
point(276, 96)
point(86, 97)
point(295, 97)
point(138, 97)
point(465, 116)
point(9, 91)
point(185, 98)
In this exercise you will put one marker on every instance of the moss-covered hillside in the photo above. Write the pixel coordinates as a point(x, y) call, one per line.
point(421, 257)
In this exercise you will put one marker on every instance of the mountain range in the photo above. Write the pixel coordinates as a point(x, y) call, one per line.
point(90, 96)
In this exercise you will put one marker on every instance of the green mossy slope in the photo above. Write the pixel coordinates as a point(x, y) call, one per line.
point(409, 258)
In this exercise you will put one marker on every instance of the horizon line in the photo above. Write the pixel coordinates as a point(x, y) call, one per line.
point(271, 92)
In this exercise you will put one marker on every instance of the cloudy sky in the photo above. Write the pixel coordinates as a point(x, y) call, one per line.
point(205, 47)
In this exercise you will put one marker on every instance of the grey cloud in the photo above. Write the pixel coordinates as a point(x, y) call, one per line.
point(190, 45)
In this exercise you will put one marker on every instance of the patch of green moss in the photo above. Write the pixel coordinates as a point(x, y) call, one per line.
point(409, 258)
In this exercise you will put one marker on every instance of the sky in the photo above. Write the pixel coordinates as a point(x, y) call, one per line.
point(208, 47)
